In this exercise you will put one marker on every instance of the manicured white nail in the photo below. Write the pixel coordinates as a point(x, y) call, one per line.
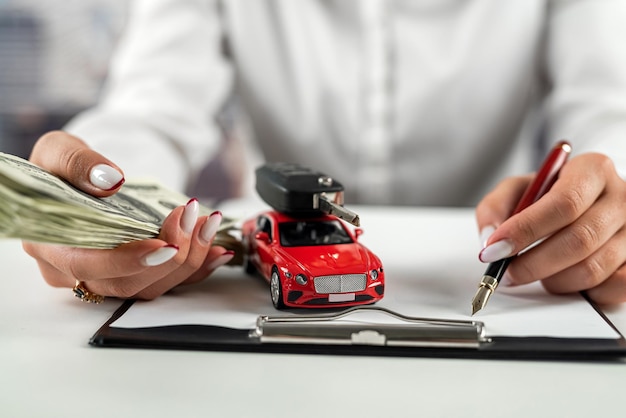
point(105, 177)
point(485, 234)
point(190, 215)
point(160, 256)
point(209, 229)
point(496, 251)
point(221, 260)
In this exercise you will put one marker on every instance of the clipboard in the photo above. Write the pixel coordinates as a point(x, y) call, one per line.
point(319, 333)
point(417, 287)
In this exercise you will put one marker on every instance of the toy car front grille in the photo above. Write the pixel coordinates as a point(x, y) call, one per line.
point(340, 283)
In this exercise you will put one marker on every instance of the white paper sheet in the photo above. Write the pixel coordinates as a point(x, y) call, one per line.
point(236, 300)
point(429, 273)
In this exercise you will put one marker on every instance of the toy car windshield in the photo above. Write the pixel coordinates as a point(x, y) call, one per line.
point(307, 233)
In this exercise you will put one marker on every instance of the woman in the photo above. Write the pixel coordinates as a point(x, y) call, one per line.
point(409, 103)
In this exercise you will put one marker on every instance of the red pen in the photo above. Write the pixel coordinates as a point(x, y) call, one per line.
point(545, 178)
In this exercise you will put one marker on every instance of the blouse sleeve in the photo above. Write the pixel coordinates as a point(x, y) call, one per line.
point(586, 65)
point(167, 81)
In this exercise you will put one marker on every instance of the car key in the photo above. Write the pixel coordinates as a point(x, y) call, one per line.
point(301, 191)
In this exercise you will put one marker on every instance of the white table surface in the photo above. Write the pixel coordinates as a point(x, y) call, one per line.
point(47, 368)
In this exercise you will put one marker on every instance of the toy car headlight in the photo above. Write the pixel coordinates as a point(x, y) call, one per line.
point(301, 279)
point(373, 275)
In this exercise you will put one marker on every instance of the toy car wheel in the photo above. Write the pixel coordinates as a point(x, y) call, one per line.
point(276, 290)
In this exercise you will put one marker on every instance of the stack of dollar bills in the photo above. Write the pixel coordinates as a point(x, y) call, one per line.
point(36, 205)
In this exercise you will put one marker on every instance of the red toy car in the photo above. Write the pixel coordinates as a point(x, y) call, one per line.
point(312, 262)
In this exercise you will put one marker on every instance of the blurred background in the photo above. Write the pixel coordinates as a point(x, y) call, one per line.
point(53, 60)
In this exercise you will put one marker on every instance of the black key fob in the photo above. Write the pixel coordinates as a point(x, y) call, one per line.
point(301, 191)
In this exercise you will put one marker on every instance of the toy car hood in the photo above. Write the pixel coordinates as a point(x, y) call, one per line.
point(331, 259)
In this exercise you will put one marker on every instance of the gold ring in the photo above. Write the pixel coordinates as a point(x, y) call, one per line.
point(85, 295)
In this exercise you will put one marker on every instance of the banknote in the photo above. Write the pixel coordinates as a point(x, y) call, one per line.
point(36, 205)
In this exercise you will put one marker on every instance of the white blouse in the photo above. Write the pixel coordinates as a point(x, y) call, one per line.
point(424, 102)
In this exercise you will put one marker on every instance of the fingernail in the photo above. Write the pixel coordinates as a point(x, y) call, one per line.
point(105, 177)
point(221, 260)
point(160, 256)
point(209, 229)
point(190, 215)
point(496, 251)
point(485, 234)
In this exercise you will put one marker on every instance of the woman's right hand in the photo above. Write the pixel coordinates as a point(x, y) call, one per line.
point(182, 253)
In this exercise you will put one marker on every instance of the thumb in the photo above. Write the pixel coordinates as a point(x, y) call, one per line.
point(71, 159)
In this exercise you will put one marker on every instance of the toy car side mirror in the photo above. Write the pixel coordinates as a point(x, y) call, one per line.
point(358, 232)
point(262, 236)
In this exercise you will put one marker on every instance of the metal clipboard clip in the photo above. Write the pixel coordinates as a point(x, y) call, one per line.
point(411, 332)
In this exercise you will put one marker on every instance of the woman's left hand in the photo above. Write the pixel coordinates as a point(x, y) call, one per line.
point(581, 220)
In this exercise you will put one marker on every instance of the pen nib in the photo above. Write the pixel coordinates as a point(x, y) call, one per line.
point(480, 299)
point(487, 285)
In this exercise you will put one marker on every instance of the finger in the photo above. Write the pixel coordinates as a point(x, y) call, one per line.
point(94, 264)
point(70, 158)
point(156, 264)
point(200, 246)
point(592, 271)
point(180, 228)
point(595, 229)
point(207, 234)
point(578, 187)
point(52, 275)
point(217, 257)
point(611, 291)
point(136, 265)
point(122, 287)
point(161, 264)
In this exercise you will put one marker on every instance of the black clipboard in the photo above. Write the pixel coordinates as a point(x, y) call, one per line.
point(418, 337)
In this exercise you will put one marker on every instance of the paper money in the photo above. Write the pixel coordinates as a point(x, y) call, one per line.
point(36, 205)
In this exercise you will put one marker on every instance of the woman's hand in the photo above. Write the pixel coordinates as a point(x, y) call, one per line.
point(142, 269)
point(581, 219)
